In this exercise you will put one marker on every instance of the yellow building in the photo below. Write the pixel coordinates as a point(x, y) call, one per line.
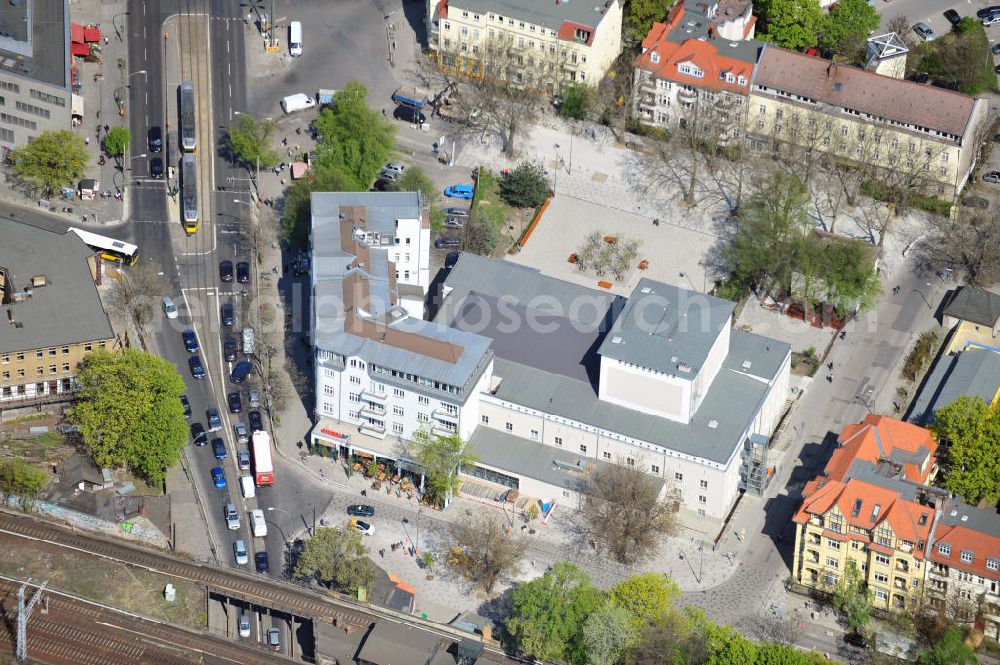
point(52, 313)
point(561, 42)
point(917, 136)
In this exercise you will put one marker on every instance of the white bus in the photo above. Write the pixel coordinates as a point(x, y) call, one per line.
point(109, 248)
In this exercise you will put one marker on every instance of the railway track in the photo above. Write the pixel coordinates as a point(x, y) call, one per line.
point(261, 591)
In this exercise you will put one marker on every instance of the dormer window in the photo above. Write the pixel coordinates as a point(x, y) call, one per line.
point(742, 80)
point(582, 35)
point(966, 556)
point(944, 549)
point(654, 58)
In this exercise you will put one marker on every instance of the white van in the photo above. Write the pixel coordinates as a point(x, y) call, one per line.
point(295, 39)
point(249, 489)
point(257, 525)
point(295, 103)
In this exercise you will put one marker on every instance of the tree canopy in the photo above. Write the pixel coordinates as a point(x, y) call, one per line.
point(129, 412)
point(116, 141)
point(972, 430)
point(640, 16)
point(21, 478)
point(441, 456)
point(949, 650)
point(646, 598)
point(526, 186)
point(852, 597)
point(353, 137)
point(846, 27)
point(607, 634)
point(249, 140)
point(336, 558)
point(488, 548)
point(576, 101)
point(51, 160)
point(792, 24)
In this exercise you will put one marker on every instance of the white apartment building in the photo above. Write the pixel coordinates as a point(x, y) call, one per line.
point(577, 39)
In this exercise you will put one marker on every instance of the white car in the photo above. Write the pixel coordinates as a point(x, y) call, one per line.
point(232, 518)
point(240, 550)
point(363, 527)
point(924, 31)
point(244, 625)
point(169, 308)
point(398, 168)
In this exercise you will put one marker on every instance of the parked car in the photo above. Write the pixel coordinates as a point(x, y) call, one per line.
point(361, 510)
point(986, 11)
point(454, 222)
point(398, 168)
point(857, 640)
point(156, 167)
point(261, 562)
point(198, 436)
point(459, 191)
point(154, 139)
point(241, 371)
point(921, 77)
point(228, 315)
point(256, 422)
point(992, 177)
point(952, 16)
point(364, 527)
point(219, 448)
point(244, 625)
point(389, 175)
point(229, 350)
point(240, 433)
point(992, 17)
point(447, 241)
point(226, 271)
point(924, 31)
point(232, 517)
point(219, 477)
point(381, 185)
point(169, 308)
point(976, 202)
point(243, 272)
point(235, 402)
point(254, 398)
point(197, 369)
point(274, 638)
point(451, 260)
point(996, 49)
point(186, 405)
point(190, 341)
point(214, 422)
point(243, 460)
point(240, 553)
point(409, 114)
point(456, 212)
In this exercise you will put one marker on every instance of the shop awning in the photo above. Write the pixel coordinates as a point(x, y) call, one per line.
point(76, 33)
point(76, 105)
point(77, 49)
point(91, 34)
point(299, 169)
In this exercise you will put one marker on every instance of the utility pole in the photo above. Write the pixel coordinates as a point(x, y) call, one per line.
point(23, 613)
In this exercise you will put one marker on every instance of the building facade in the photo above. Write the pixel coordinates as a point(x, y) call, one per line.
point(548, 44)
point(35, 76)
point(46, 279)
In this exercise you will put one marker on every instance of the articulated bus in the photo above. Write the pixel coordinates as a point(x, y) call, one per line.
point(109, 248)
point(188, 142)
point(189, 193)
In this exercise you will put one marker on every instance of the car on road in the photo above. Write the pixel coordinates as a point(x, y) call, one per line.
point(856, 640)
point(197, 369)
point(243, 460)
point(235, 402)
point(256, 422)
point(976, 202)
point(459, 191)
point(219, 477)
point(986, 11)
point(243, 272)
point(219, 448)
point(409, 114)
point(226, 271)
point(456, 212)
point(993, 177)
point(154, 139)
point(186, 405)
point(198, 436)
point(360, 510)
point(387, 174)
point(924, 31)
point(381, 185)
point(447, 242)
point(214, 422)
point(398, 168)
point(261, 562)
point(240, 552)
point(454, 222)
point(364, 527)
point(229, 350)
point(227, 314)
point(169, 308)
point(244, 625)
point(240, 432)
point(996, 49)
point(274, 638)
point(156, 168)
point(952, 16)
point(232, 517)
point(451, 260)
point(241, 371)
point(190, 341)
point(992, 17)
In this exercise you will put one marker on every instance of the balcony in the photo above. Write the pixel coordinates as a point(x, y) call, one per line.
point(687, 94)
point(373, 409)
point(438, 430)
point(371, 395)
point(372, 429)
point(446, 416)
point(902, 566)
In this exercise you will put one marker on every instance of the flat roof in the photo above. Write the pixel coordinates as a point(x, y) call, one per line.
point(35, 40)
point(972, 372)
point(549, 14)
point(69, 295)
point(391, 643)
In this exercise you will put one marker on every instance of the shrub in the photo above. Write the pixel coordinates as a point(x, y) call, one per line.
point(526, 186)
point(919, 356)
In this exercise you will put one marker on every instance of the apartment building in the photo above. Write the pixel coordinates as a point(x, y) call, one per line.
point(35, 76)
point(963, 579)
point(918, 136)
point(549, 43)
point(46, 280)
point(379, 367)
point(871, 506)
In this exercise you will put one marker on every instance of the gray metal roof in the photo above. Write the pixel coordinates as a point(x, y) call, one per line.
point(971, 372)
point(392, 643)
point(970, 303)
point(958, 513)
point(44, 56)
point(548, 13)
point(532, 459)
point(67, 310)
point(664, 327)
point(383, 208)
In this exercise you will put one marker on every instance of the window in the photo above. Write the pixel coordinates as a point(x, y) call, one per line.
point(20, 373)
point(678, 477)
point(52, 369)
point(992, 564)
point(447, 25)
point(398, 392)
point(39, 353)
point(833, 544)
point(762, 110)
point(881, 578)
point(423, 417)
point(33, 110)
point(465, 32)
point(944, 549)
point(485, 419)
point(354, 397)
point(966, 556)
point(832, 562)
point(566, 494)
point(328, 390)
point(583, 448)
point(881, 559)
point(509, 426)
point(629, 461)
point(880, 594)
point(397, 411)
point(20, 356)
point(17, 120)
point(606, 455)
point(654, 468)
point(944, 157)
point(843, 130)
point(703, 484)
point(45, 97)
point(5, 359)
point(356, 380)
point(423, 400)
point(65, 367)
point(397, 428)
point(702, 498)
point(559, 441)
point(534, 434)
point(40, 371)
point(10, 87)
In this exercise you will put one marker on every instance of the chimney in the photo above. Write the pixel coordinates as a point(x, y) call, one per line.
point(831, 69)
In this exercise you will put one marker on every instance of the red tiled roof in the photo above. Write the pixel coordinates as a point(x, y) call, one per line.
point(442, 9)
point(703, 54)
point(858, 89)
point(960, 537)
point(567, 32)
point(876, 437)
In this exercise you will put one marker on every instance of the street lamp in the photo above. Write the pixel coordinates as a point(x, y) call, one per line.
point(114, 21)
point(287, 514)
point(925, 299)
point(555, 177)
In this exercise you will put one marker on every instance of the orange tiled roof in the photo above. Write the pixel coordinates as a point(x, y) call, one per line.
point(704, 54)
point(875, 438)
point(959, 537)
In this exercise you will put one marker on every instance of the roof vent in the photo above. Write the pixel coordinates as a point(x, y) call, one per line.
point(965, 518)
point(713, 424)
point(616, 340)
point(747, 364)
point(673, 359)
point(733, 44)
point(837, 86)
point(38, 280)
point(645, 289)
point(684, 367)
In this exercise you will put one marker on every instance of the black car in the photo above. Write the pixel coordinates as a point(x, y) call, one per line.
point(409, 114)
point(361, 510)
point(856, 639)
point(381, 185)
point(952, 16)
point(241, 371)
point(986, 11)
point(256, 422)
point(197, 369)
point(198, 436)
point(976, 202)
point(235, 403)
point(219, 448)
point(155, 139)
point(451, 260)
point(242, 272)
point(922, 77)
point(447, 242)
point(260, 560)
point(229, 350)
point(156, 168)
point(187, 406)
point(190, 341)
point(228, 315)
point(226, 271)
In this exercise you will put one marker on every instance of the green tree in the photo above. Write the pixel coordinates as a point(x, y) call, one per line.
point(354, 137)
point(792, 24)
point(641, 14)
point(548, 613)
point(336, 558)
point(129, 412)
point(249, 140)
point(846, 28)
point(20, 478)
point(526, 186)
point(607, 634)
point(972, 429)
point(415, 180)
point(949, 650)
point(297, 214)
point(577, 98)
point(852, 597)
point(116, 141)
point(647, 597)
point(441, 457)
point(51, 160)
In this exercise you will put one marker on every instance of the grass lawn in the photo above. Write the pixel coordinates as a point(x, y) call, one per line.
point(491, 209)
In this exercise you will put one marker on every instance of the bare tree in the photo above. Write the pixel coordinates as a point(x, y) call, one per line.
point(138, 291)
point(766, 627)
point(486, 548)
point(874, 219)
point(970, 243)
point(900, 24)
point(625, 513)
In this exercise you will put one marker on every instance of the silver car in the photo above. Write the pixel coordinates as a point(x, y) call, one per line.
point(232, 517)
point(240, 552)
point(924, 31)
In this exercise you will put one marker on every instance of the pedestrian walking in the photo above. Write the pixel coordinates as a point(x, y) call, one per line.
point(829, 366)
point(106, 40)
point(384, 115)
point(829, 378)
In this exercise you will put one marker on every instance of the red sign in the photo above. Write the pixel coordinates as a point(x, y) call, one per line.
point(336, 435)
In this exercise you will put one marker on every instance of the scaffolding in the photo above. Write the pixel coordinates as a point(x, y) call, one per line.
point(755, 473)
